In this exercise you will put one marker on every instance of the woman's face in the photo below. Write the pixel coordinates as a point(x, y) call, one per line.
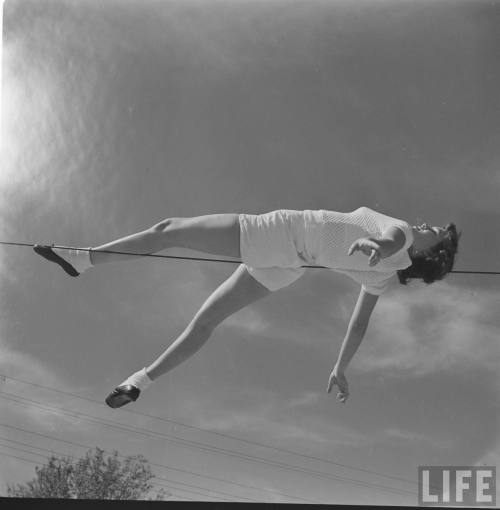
point(426, 237)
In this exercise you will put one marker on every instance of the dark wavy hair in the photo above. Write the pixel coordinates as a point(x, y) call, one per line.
point(437, 262)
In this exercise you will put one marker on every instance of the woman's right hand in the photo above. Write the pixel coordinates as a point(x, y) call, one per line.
point(337, 378)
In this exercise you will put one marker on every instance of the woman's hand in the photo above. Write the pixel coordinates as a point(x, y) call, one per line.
point(337, 377)
point(368, 247)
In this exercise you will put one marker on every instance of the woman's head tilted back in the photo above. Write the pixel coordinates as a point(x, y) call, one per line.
point(432, 258)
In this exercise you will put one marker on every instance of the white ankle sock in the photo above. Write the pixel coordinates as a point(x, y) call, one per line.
point(79, 259)
point(140, 380)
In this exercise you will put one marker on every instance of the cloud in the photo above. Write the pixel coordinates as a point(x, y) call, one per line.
point(249, 320)
point(417, 439)
point(305, 399)
point(234, 36)
point(492, 458)
point(312, 311)
point(15, 367)
point(274, 421)
point(429, 329)
point(29, 120)
point(14, 363)
point(417, 330)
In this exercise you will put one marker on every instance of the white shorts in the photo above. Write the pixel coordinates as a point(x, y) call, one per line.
point(274, 245)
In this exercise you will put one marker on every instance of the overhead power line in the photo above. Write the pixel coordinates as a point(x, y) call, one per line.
point(19, 458)
point(203, 447)
point(220, 434)
point(61, 454)
point(203, 259)
point(155, 484)
point(163, 466)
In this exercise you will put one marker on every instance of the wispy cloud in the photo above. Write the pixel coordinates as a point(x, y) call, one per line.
point(237, 35)
point(305, 399)
point(15, 367)
point(491, 458)
point(428, 329)
point(393, 434)
point(276, 419)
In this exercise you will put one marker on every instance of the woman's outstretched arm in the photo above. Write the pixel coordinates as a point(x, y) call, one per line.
point(354, 335)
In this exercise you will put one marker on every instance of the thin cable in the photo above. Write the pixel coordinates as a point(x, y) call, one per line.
point(154, 255)
point(220, 434)
point(26, 451)
point(184, 471)
point(53, 452)
point(64, 455)
point(202, 447)
point(197, 445)
point(19, 458)
point(154, 484)
point(44, 456)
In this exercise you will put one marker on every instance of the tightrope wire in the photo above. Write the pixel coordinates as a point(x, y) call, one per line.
point(202, 259)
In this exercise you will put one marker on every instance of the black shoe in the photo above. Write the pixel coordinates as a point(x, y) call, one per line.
point(122, 395)
point(47, 253)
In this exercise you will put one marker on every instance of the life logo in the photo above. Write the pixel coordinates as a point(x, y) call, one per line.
point(457, 486)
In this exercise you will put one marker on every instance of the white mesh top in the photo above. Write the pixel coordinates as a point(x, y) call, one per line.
point(335, 232)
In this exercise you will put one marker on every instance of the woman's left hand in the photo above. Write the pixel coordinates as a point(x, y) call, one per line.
point(337, 377)
point(368, 247)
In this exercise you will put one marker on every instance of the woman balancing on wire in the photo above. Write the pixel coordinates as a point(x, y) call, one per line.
point(368, 246)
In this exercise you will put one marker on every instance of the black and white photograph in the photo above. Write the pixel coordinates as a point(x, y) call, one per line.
point(250, 251)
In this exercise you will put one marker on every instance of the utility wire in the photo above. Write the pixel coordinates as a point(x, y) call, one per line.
point(202, 447)
point(208, 259)
point(19, 458)
point(155, 484)
point(196, 445)
point(184, 471)
point(53, 452)
point(28, 451)
point(230, 262)
point(220, 434)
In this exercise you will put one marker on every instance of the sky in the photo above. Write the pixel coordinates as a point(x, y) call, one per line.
point(118, 114)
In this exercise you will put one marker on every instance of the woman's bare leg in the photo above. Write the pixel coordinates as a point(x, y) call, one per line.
point(238, 291)
point(213, 233)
